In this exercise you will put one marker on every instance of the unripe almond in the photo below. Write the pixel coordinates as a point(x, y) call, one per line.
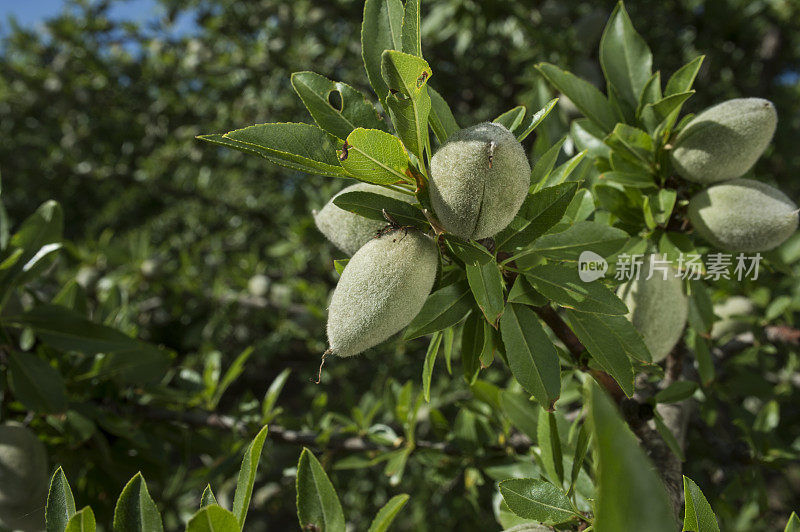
point(724, 141)
point(479, 179)
point(349, 231)
point(743, 215)
point(23, 465)
point(381, 290)
point(657, 307)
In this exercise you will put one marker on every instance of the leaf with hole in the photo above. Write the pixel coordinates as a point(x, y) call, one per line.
point(336, 107)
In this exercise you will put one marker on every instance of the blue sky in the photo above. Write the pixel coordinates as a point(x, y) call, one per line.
point(32, 13)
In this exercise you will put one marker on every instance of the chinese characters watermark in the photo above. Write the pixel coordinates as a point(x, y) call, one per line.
point(688, 266)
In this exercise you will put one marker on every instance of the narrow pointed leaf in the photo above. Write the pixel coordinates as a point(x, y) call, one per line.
point(247, 476)
point(583, 94)
point(298, 146)
point(605, 345)
point(537, 499)
point(625, 57)
point(540, 211)
point(381, 30)
point(135, 510)
point(387, 514)
point(562, 285)
point(60, 503)
point(512, 118)
point(317, 502)
point(441, 119)
point(486, 283)
point(550, 447)
point(537, 118)
point(443, 308)
point(427, 367)
point(630, 494)
point(532, 357)
point(698, 515)
point(213, 518)
point(412, 28)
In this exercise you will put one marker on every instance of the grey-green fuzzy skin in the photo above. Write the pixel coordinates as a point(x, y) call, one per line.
point(23, 478)
point(479, 179)
point(657, 307)
point(381, 290)
point(743, 215)
point(349, 231)
point(724, 141)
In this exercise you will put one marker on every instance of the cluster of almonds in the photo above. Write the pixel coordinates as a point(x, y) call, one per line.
point(478, 181)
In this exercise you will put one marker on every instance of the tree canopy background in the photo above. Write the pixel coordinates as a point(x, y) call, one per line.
point(166, 232)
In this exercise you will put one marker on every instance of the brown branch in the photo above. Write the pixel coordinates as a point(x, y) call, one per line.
point(518, 443)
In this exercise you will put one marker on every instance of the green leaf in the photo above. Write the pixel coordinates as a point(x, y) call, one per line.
point(31, 248)
point(371, 205)
point(317, 503)
point(135, 510)
point(412, 28)
point(627, 179)
point(441, 119)
point(537, 499)
point(630, 496)
point(213, 518)
point(665, 106)
point(605, 338)
point(427, 367)
point(60, 503)
point(537, 118)
point(563, 286)
point(231, 374)
point(82, 521)
point(474, 342)
point(387, 514)
point(486, 283)
point(72, 296)
point(581, 447)
point(36, 384)
point(468, 251)
point(374, 156)
point(405, 73)
point(702, 353)
point(521, 412)
point(668, 437)
point(676, 392)
point(564, 172)
point(300, 147)
point(683, 78)
point(353, 110)
point(794, 523)
point(381, 30)
point(583, 94)
point(550, 447)
point(625, 57)
point(268, 410)
point(208, 498)
point(633, 144)
point(512, 118)
point(532, 357)
point(543, 167)
point(247, 476)
point(540, 211)
point(443, 308)
point(583, 236)
point(522, 292)
point(698, 516)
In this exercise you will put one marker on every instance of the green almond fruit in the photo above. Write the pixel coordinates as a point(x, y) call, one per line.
point(657, 307)
point(479, 179)
point(381, 290)
point(23, 465)
point(349, 231)
point(743, 215)
point(724, 141)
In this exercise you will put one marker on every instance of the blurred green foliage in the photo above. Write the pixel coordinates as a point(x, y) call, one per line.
point(165, 235)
